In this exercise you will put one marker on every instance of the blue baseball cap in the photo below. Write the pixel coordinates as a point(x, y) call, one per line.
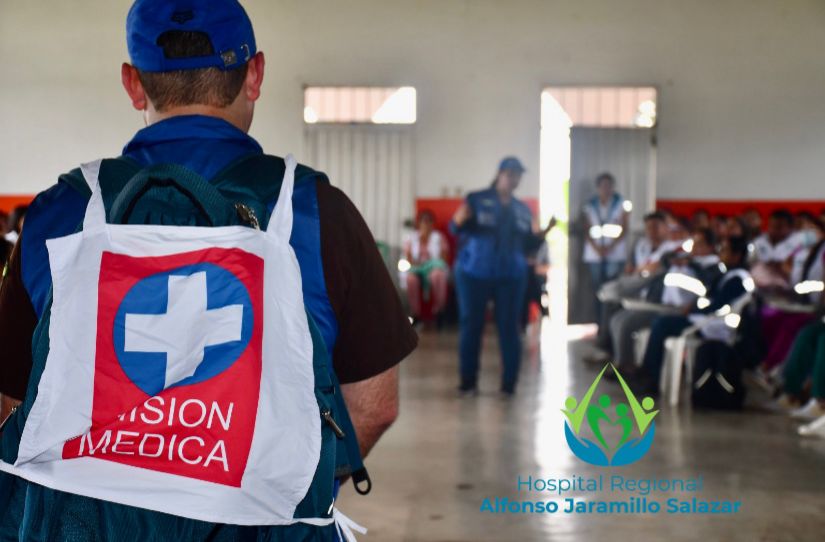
point(224, 21)
point(511, 163)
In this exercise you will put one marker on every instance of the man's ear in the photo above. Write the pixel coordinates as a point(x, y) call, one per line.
point(134, 88)
point(254, 77)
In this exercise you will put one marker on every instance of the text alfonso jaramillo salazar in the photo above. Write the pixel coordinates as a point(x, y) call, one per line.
point(627, 496)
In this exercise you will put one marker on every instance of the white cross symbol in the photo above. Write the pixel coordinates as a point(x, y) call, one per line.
point(185, 329)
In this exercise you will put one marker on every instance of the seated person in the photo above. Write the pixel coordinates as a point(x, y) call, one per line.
point(719, 225)
point(736, 227)
point(700, 262)
point(753, 223)
point(15, 223)
point(780, 326)
point(678, 231)
point(804, 375)
point(426, 250)
point(700, 219)
point(773, 250)
point(648, 251)
point(645, 261)
point(729, 287)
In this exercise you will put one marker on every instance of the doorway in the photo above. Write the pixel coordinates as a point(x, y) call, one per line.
point(586, 131)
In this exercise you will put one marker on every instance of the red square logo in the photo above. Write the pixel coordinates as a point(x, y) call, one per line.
point(178, 363)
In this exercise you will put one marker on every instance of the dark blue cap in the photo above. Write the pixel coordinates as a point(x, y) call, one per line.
point(224, 21)
point(511, 163)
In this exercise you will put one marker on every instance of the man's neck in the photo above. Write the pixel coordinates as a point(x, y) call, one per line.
point(151, 116)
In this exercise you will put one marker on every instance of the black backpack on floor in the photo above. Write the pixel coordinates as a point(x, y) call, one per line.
point(717, 378)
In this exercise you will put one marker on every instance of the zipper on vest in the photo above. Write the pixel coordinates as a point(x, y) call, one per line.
point(248, 215)
point(326, 414)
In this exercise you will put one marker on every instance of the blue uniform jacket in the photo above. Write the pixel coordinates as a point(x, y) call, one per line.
point(494, 242)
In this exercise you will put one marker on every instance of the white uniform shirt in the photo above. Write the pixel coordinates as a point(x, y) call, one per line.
point(816, 272)
point(767, 252)
point(674, 295)
point(644, 254)
point(610, 215)
point(435, 244)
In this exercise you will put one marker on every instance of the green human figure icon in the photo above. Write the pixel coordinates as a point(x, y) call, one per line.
point(596, 413)
point(570, 405)
point(575, 410)
point(643, 413)
point(623, 420)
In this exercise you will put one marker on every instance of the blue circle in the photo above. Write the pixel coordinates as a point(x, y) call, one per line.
point(147, 370)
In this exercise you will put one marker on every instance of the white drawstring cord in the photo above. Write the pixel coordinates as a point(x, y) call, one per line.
point(345, 527)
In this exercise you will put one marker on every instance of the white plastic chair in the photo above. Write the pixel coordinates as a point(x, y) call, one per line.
point(682, 349)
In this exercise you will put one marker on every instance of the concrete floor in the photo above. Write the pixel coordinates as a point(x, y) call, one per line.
point(446, 454)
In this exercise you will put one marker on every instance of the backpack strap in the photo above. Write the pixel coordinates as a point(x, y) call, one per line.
point(114, 174)
point(255, 181)
point(204, 197)
point(348, 457)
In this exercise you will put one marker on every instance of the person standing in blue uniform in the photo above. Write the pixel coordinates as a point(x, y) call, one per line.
point(496, 231)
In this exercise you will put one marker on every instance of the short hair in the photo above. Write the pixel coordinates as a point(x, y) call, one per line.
point(805, 215)
point(706, 234)
point(655, 215)
point(606, 176)
point(683, 223)
point(202, 86)
point(739, 246)
point(783, 215)
point(425, 213)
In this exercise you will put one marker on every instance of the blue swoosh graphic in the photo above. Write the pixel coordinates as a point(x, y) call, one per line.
point(635, 449)
point(587, 451)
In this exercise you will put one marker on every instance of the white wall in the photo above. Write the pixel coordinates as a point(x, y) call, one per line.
point(742, 82)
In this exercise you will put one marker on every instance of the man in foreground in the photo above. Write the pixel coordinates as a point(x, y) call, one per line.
point(196, 75)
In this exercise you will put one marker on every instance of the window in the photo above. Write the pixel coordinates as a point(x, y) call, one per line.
point(607, 107)
point(360, 105)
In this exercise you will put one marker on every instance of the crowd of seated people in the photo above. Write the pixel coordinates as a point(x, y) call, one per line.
point(754, 292)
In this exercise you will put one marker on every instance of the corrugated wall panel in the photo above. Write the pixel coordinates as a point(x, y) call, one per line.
point(627, 153)
point(373, 165)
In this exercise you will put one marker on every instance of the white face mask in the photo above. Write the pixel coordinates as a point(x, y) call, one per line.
point(809, 237)
point(707, 260)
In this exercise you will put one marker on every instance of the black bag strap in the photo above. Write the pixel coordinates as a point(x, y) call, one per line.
point(255, 180)
point(114, 174)
point(253, 176)
point(204, 197)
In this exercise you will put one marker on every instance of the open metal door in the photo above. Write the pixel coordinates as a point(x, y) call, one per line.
point(630, 155)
